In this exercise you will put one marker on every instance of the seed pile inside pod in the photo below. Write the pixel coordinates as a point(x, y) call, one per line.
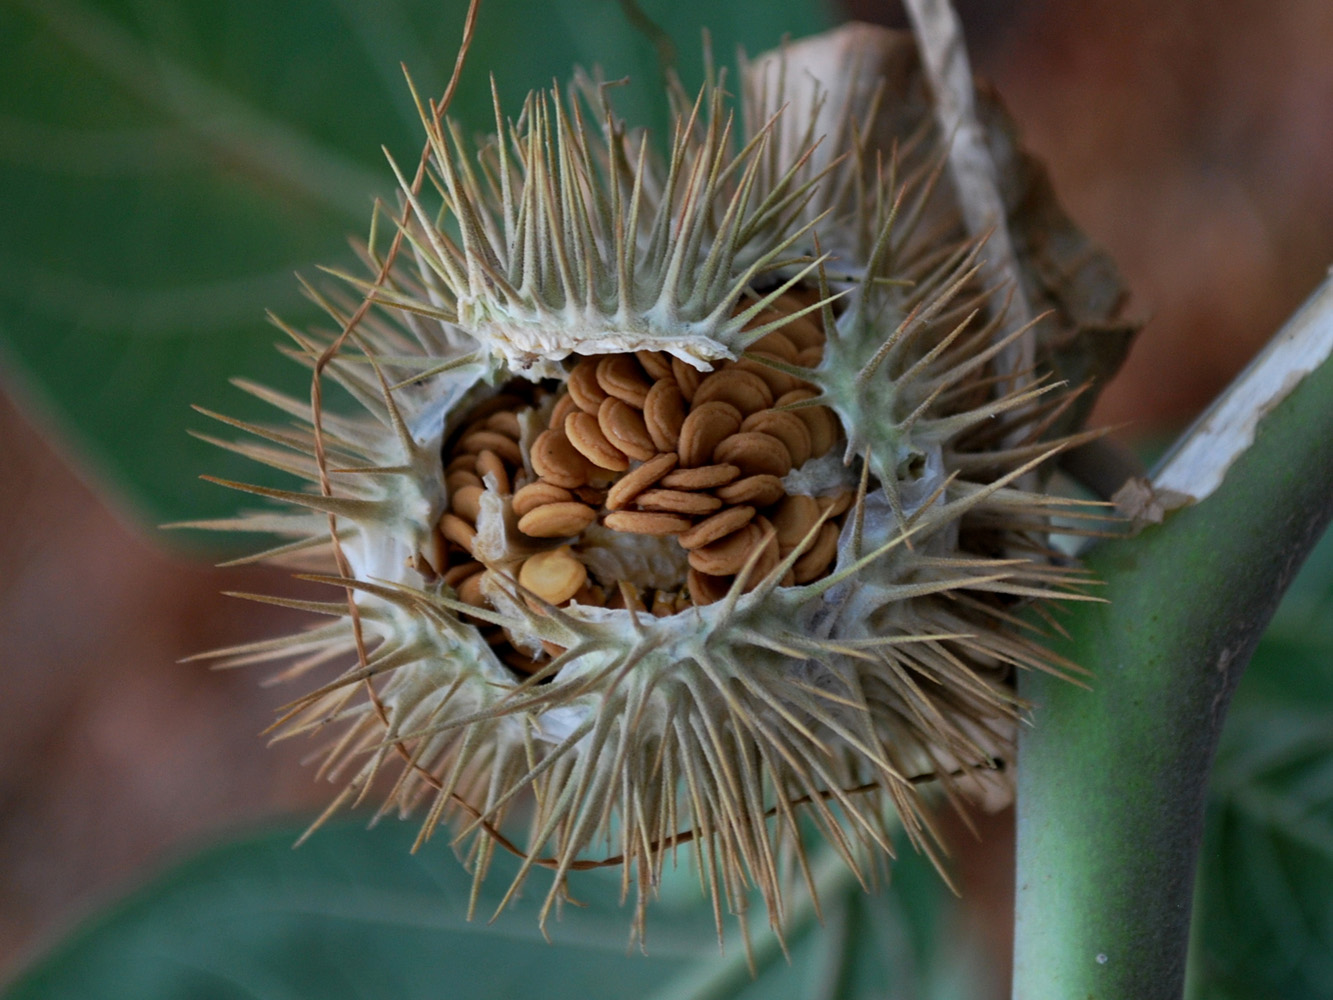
point(646, 445)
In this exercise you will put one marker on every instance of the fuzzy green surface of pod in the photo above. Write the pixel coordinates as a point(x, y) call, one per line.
point(676, 498)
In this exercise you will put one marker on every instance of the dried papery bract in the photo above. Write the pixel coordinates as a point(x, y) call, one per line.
point(680, 503)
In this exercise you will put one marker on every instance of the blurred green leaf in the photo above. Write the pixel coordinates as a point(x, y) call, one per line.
point(1266, 869)
point(165, 166)
point(352, 914)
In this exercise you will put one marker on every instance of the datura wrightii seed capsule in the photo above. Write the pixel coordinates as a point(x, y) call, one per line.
point(684, 498)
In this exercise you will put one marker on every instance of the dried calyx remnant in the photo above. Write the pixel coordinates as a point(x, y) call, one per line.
point(685, 497)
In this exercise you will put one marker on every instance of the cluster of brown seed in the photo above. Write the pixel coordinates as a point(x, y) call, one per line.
point(645, 444)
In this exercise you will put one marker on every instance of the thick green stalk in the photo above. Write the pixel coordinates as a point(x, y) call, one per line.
point(1112, 776)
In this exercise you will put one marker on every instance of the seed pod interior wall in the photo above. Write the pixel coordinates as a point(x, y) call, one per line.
point(683, 496)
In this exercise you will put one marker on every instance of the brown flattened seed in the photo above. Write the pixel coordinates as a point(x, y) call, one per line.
point(755, 453)
point(469, 591)
point(663, 414)
point(564, 406)
point(707, 426)
point(838, 503)
point(778, 381)
point(758, 491)
point(776, 344)
point(655, 363)
point(624, 427)
point(678, 502)
point(466, 503)
point(506, 422)
point(586, 436)
point(719, 525)
point(704, 477)
point(458, 531)
point(639, 522)
point(557, 461)
point(788, 428)
point(489, 463)
point(687, 377)
point(457, 574)
point(620, 376)
point(726, 556)
point(705, 589)
point(795, 516)
point(742, 389)
point(506, 447)
point(583, 387)
point(816, 559)
point(632, 483)
point(557, 520)
point(459, 478)
point(818, 420)
point(554, 576)
point(536, 494)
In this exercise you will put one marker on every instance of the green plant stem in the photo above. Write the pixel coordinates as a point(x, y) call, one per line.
point(1112, 776)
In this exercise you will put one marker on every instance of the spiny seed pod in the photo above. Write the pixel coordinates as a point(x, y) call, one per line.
point(683, 499)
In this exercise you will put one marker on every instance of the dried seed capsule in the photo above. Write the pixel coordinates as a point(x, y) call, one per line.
point(655, 363)
point(722, 523)
point(687, 377)
point(466, 503)
point(726, 556)
point(586, 436)
point(787, 427)
point(758, 491)
point(624, 429)
point(816, 559)
point(536, 494)
point(620, 376)
point(818, 420)
point(703, 477)
point(704, 429)
point(742, 389)
point(483, 440)
point(556, 520)
point(490, 464)
point(583, 387)
point(632, 483)
point(639, 522)
point(554, 576)
point(663, 414)
point(458, 531)
point(755, 453)
point(557, 461)
point(677, 502)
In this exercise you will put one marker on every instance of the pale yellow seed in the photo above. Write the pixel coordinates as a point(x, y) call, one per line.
point(742, 389)
point(704, 477)
point(754, 453)
point(758, 491)
point(556, 520)
point(535, 494)
point(587, 437)
point(720, 525)
point(637, 522)
point(788, 428)
point(677, 502)
point(624, 428)
point(620, 376)
point(631, 484)
point(663, 414)
point(554, 576)
point(583, 387)
point(707, 426)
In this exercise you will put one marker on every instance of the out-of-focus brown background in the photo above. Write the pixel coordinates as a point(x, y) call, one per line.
point(1193, 138)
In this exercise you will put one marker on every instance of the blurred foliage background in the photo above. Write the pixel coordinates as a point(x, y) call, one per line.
point(164, 169)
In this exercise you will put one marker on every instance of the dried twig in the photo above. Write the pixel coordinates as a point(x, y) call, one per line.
point(940, 40)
